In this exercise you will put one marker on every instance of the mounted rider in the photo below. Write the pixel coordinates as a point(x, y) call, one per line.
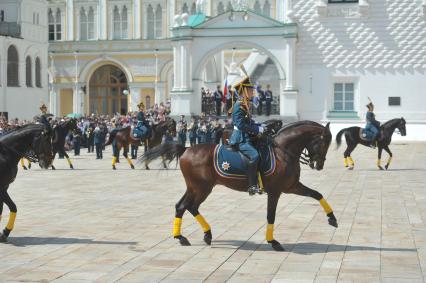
point(44, 116)
point(373, 126)
point(141, 129)
point(245, 129)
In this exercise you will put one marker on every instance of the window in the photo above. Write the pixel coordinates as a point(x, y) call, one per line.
point(55, 25)
point(344, 97)
point(12, 66)
point(220, 8)
point(154, 22)
point(256, 7)
point(193, 9)
point(394, 101)
point(38, 72)
point(120, 23)
point(87, 24)
point(1, 16)
point(267, 9)
point(185, 8)
point(229, 7)
point(28, 72)
point(342, 1)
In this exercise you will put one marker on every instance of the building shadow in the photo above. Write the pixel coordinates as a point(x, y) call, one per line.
point(37, 241)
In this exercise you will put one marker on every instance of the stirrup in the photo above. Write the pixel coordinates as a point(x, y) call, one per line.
point(252, 190)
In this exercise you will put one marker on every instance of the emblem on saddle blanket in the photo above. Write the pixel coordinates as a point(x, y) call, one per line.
point(231, 164)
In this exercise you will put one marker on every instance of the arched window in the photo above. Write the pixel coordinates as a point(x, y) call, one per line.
point(267, 9)
point(229, 7)
point(158, 21)
point(257, 7)
point(58, 25)
point(51, 21)
point(124, 28)
point(12, 66)
point(120, 23)
point(193, 9)
point(220, 8)
point(91, 24)
point(185, 8)
point(28, 72)
point(150, 22)
point(83, 24)
point(38, 72)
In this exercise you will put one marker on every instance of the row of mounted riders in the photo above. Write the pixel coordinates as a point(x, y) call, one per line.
point(300, 142)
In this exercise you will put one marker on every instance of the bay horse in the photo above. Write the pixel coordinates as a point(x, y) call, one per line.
point(33, 142)
point(58, 143)
point(352, 136)
point(122, 138)
point(196, 164)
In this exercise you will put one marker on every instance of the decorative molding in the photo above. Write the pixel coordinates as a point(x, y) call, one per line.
point(342, 10)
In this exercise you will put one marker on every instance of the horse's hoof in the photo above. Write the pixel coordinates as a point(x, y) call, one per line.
point(71, 167)
point(380, 167)
point(29, 166)
point(332, 219)
point(183, 241)
point(53, 167)
point(147, 168)
point(276, 246)
point(208, 237)
point(3, 238)
point(25, 168)
point(131, 166)
point(113, 168)
point(386, 166)
point(350, 168)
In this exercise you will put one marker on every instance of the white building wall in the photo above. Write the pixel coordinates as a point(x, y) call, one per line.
point(380, 47)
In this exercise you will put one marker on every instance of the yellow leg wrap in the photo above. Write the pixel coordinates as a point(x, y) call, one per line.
point(259, 180)
point(69, 161)
point(203, 222)
point(389, 160)
point(22, 163)
point(11, 222)
point(114, 160)
point(345, 162)
point(351, 161)
point(378, 162)
point(325, 206)
point(270, 232)
point(177, 224)
point(129, 161)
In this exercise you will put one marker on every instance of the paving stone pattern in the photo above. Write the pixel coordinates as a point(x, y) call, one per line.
point(93, 224)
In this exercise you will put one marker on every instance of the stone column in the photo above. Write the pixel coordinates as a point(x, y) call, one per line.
point(185, 64)
point(176, 65)
point(160, 95)
point(136, 19)
point(103, 16)
point(135, 93)
point(288, 98)
point(53, 99)
point(78, 98)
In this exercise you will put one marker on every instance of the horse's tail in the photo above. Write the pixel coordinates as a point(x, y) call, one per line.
point(339, 137)
point(111, 137)
point(168, 151)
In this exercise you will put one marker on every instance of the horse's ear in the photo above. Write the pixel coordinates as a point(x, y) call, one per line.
point(327, 126)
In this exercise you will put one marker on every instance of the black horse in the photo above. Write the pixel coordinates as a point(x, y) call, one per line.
point(59, 134)
point(34, 142)
point(353, 136)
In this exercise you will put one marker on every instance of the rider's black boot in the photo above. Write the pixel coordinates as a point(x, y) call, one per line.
point(252, 179)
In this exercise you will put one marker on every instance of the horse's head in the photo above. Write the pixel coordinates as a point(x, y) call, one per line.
point(401, 127)
point(317, 148)
point(42, 147)
point(273, 126)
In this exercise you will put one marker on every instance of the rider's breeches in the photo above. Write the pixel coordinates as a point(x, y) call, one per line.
point(249, 151)
point(373, 129)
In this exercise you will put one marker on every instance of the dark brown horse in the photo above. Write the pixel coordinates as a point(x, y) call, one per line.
point(352, 136)
point(274, 125)
point(121, 139)
point(196, 164)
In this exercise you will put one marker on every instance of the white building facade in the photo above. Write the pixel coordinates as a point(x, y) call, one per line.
point(329, 56)
point(23, 57)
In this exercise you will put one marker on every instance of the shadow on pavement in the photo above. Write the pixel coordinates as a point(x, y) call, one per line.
point(35, 241)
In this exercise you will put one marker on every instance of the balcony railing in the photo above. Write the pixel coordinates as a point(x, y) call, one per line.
point(10, 29)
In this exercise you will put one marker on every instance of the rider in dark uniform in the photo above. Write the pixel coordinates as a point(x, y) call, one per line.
point(44, 116)
point(142, 124)
point(244, 130)
point(373, 125)
point(268, 99)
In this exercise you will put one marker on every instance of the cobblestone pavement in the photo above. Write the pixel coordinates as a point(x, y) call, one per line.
point(95, 224)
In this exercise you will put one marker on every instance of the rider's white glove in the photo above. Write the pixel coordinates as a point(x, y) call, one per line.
point(261, 129)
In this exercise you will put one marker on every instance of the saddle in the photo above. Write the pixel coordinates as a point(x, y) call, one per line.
point(365, 135)
point(230, 163)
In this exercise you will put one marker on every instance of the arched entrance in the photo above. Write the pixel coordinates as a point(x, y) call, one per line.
point(106, 88)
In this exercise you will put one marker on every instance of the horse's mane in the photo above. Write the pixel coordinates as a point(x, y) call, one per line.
point(20, 130)
point(297, 124)
point(385, 124)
